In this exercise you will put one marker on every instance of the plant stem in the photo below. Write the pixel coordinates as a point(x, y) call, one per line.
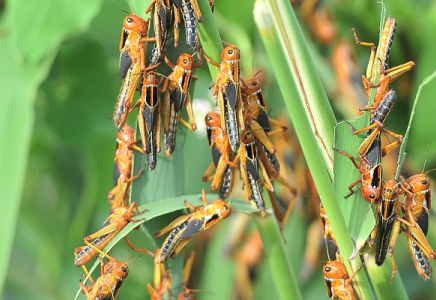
point(278, 260)
point(304, 97)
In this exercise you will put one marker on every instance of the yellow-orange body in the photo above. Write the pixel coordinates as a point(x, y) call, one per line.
point(162, 22)
point(419, 201)
point(186, 293)
point(222, 156)
point(149, 117)
point(418, 204)
point(319, 19)
point(184, 227)
point(123, 167)
point(176, 92)
point(228, 93)
point(371, 177)
point(387, 223)
point(249, 166)
point(190, 11)
point(132, 63)
point(337, 281)
point(132, 42)
point(256, 114)
point(125, 96)
point(119, 218)
point(351, 95)
point(247, 259)
point(162, 283)
point(329, 237)
point(106, 286)
point(380, 65)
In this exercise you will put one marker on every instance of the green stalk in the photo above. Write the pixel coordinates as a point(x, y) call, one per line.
point(304, 97)
point(277, 258)
point(209, 37)
point(304, 74)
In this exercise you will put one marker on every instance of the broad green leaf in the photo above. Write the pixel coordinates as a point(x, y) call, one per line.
point(356, 211)
point(32, 32)
point(154, 210)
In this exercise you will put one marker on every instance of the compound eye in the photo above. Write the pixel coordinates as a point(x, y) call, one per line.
point(230, 51)
point(129, 20)
point(124, 269)
point(327, 269)
point(424, 181)
point(372, 196)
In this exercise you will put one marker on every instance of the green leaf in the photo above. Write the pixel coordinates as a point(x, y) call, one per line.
point(33, 32)
point(402, 152)
point(311, 115)
point(277, 258)
point(217, 266)
point(209, 37)
point(356, 210)
point(155, 210)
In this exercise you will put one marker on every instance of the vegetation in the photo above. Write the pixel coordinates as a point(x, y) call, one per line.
point(59, 80)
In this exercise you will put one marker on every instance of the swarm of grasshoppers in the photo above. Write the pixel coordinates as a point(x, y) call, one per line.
point(392, 216)
point(238, 135)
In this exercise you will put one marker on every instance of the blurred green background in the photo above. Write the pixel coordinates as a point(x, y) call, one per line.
point(59, 81)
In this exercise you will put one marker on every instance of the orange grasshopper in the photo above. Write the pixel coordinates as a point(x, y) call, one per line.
point(248, 258)
point(149, 117)
point(222, 156)
point(370, 151)
point(184, 227)
point(338, 282)
point(211, 5)
point(187, 294)
point(385, 74)
point(228, 93)
point(123, 167)
point(350, 96)
point(329, 237)
point(110, 281)
point(164, 13)
point(190, 10)
point(176, 92)
point(388, 210)
point(132, 43)
point(118, 219)
point(319, 19)
point(389, 221)
point(249, 167)
point(132, 63)
point(271, 165)
point(256, 115)
point(257, 119)
point(418, 204)
point(161, 284)
point(373, 131)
